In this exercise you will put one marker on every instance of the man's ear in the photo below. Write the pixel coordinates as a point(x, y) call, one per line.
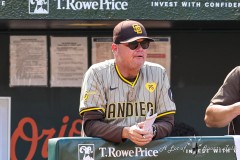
point(114, 48)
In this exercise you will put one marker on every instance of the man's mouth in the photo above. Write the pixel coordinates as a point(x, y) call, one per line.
point(139, 56)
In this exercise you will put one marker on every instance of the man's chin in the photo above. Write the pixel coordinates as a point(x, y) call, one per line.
point(138, 64)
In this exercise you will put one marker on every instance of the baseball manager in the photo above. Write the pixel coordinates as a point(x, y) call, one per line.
point(117, 94)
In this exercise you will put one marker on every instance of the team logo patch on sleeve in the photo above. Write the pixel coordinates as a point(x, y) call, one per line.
point(87, 93)
point(170, 94)
point(151, 86)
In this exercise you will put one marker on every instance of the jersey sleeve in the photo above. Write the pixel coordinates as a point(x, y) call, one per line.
point(165, 102)
point(92, 93)
point(228, 93)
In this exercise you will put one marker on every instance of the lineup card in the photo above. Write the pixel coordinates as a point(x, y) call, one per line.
point(149, 121)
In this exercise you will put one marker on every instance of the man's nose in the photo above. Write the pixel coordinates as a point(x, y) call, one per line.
point(139, 47)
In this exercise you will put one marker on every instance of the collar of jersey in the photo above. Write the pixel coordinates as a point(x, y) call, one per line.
point(124, 79)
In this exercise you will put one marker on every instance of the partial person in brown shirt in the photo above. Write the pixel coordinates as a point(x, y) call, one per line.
point(224, 108)
point(117, 94)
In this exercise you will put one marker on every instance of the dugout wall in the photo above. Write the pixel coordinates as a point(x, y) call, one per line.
point(204, 48)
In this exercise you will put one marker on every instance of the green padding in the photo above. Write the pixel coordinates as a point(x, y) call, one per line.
point(171, 148)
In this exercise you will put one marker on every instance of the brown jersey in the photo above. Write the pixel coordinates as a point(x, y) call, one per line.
point(228, 94)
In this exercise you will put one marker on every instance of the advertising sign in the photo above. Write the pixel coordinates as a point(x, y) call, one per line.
point(120, 9)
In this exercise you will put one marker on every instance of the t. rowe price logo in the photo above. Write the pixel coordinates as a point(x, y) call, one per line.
point(86, 152)
point(92, 5)
point(38, 6)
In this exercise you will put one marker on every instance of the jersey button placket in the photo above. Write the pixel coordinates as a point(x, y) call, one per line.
point(131, 94)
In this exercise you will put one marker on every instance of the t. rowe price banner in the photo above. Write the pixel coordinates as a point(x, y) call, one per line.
point(180, 148)
point(120, 9)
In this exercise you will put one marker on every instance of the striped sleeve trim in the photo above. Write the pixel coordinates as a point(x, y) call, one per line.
point(166, 113)
point(91, 109)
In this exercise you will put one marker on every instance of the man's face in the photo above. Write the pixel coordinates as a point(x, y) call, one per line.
point(133, 59)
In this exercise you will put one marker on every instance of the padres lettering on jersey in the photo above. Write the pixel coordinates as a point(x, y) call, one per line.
point(121, 110)
point(124, 102)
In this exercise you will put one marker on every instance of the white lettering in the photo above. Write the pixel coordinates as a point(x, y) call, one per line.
point(112, 152)
point(216, 150)
point(222, 4)
point(59, 4)
point(145, 152)
point(191, 4)
point(94, 5)
point(78, 6)
point(3, 3)
point(164, 4)
point(87, 5)
point(70, 4)
point(131, 152)
point(124, 5)
point(119, 153)
point(101, 5)
point(102, 151)
point(116, 6)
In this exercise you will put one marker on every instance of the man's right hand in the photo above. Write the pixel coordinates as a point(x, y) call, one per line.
point(137, 135)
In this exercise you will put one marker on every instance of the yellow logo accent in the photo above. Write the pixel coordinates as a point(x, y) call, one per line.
point(87, 93)
point(86, 96)
point(137, 28)
point(151, 86)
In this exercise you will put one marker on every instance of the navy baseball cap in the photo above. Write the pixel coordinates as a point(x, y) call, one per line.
point(129, 31)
